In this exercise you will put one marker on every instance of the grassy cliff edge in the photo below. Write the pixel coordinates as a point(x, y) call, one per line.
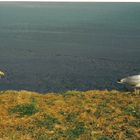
point(90, 115)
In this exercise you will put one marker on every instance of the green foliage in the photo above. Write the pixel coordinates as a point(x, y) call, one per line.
point(77, 130)
point(97, 113)
point(24, 109)
point(129, 133)
point(102, 104)
point(20, 128)
point(33, 100)
point(24, 129)
point(104, 138)
point(102, 107)
point(135, 123)
point(48, 121)
point(40, 136)
point(71, 116)
point(134, 111)
point(49, 102)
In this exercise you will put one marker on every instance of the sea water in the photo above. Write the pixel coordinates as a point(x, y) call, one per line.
point(68, 46)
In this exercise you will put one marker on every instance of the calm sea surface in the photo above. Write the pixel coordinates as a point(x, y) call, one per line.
point(65, 46)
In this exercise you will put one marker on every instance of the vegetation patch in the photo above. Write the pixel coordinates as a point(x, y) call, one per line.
point(41, 136)
point(48, 121)
point(70, 117)
point(129, 133)
point(135, 123)
point(24, 109)
point(104, 138)
point(132, 110)
point(78, 130)
point(99, 115)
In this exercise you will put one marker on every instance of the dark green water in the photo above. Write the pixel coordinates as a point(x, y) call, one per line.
point(65, 46)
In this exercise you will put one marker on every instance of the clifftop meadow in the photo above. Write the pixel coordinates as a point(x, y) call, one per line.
point(73, 115)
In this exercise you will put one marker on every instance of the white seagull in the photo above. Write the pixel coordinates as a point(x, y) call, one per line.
point(2, 74)
point(133, 81)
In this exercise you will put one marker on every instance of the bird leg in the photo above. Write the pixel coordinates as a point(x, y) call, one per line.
point(135, 90)
point(138, 91)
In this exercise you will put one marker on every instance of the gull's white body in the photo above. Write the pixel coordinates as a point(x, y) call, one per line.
point(132, 81)
point(2, 74)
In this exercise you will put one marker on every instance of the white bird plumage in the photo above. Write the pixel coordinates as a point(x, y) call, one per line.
point(133, 81)
point(2, 74)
